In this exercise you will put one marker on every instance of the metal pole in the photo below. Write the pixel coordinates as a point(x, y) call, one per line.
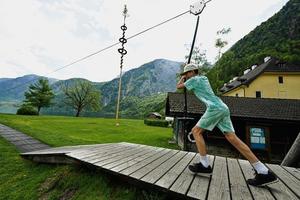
point(189, 61)
point(185, 96)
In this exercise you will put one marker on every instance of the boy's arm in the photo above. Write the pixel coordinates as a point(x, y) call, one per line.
point(180, 84)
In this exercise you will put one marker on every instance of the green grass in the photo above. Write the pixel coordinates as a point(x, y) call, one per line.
point(62, 131)
point(22, 179)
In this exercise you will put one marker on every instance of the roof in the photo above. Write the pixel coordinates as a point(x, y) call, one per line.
point(272, 65)
point(256, 108)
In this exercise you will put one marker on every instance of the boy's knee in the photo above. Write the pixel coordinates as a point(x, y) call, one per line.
point(231, 137)
point(196, 131)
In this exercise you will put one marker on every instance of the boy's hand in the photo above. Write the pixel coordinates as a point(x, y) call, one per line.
point(180, 84)
point(183, 78)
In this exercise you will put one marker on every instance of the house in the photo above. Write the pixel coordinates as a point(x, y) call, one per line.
point(266, 125)
point(271, 79)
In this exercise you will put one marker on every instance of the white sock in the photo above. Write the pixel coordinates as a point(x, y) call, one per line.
point(204, 160)
point(260, 168)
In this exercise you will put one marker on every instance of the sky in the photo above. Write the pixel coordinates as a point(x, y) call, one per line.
point(40, 36)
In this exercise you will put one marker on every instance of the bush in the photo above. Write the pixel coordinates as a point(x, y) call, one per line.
point(26, 110)
point(155, 122)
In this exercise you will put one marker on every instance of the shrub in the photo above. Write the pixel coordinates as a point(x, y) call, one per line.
point(26, 110)
point(155, 122)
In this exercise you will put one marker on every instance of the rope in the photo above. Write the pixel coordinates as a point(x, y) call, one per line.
point(123, 52)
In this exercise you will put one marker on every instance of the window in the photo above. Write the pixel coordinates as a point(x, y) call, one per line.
point(258, 94)
point(237, 95)
point(280, 79)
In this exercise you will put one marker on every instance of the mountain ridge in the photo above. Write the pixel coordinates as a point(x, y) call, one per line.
point(155, 77)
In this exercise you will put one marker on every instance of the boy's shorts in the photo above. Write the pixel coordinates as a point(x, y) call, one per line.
point(219, 118)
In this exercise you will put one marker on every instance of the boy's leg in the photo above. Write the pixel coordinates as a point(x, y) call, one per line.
point(246, 152)
point(203, 166)
point(200, 143)
point(241, 147)
point(263, 176)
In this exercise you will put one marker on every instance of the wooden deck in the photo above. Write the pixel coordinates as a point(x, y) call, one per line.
point(166, 170)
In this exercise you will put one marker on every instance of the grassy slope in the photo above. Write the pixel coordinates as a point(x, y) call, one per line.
point(61, 131)
point(21, 179)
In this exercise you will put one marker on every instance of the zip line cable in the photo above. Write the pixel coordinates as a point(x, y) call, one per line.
point(101, 50)
point(104, 49)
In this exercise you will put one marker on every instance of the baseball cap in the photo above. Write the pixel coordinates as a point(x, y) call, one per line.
point(189, 67)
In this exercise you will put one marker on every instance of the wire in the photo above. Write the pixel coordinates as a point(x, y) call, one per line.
point(101, 50)
point(148, 29)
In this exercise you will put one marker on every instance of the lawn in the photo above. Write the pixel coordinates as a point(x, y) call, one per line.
point(22, 179)
point(62, 131)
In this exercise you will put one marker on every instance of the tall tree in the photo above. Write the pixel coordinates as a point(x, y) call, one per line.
point(39, 94)
point(199, 58)
point(82, 95)
point(220, 42)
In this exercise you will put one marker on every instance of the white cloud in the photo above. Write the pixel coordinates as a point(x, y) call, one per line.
point(41, 36)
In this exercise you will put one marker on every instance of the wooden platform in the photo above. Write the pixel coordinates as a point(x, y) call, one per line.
point(166, 170)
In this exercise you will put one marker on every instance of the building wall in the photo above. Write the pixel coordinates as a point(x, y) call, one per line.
point(269, 86)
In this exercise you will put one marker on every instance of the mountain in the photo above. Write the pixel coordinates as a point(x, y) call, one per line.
point(12, 89)
point(151, 78)
point(143, 90)
point(278, 37)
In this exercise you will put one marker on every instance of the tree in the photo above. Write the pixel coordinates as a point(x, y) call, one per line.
point(82, 95)
point(39, 94)
point(198, 56)
point(220, 43)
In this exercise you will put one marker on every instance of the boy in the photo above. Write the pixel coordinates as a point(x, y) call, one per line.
point(217, 114)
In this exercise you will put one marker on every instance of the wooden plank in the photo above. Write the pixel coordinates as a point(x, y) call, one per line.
point(295, 172)
point(238, 186)
point(109, 154)
point(289, 180)
point(84, 153)
point(122, 154)
point(183, 182)
point(61, 150)
point(50, 151)
point(258, 193)
point(168, 179)
point(148, 168)
point(145, 162)
point(159, 171)
point(200, 184)
point(81, 148)
point(141, 152)
point(136, 160)
point(281, 191)
point(219, 185)
point(96, 152)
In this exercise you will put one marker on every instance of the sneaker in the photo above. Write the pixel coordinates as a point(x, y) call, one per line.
point(263, 179)
point(199, 168)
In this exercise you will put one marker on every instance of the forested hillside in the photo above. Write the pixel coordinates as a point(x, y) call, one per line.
point(279, 37)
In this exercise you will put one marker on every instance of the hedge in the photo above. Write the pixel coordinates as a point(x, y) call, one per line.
point(27, 110)
point(153, 122)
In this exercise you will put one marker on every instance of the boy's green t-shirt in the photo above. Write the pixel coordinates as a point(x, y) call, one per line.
point(202, 89)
